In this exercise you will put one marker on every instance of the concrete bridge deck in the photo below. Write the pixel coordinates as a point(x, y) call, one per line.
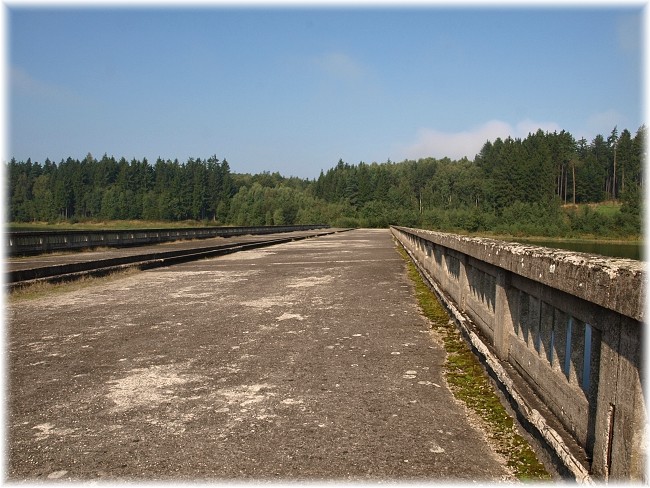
point(307, 360)
point(19, 263)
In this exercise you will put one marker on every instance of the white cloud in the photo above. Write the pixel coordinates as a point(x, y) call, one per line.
point(603, 123)
point(455, 145)
point(341, 66)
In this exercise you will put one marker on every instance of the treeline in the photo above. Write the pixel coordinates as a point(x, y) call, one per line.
point(110, 189)
point(512, 186)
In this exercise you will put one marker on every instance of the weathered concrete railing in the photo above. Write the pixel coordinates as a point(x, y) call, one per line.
point(39, 242)
point(569, 324)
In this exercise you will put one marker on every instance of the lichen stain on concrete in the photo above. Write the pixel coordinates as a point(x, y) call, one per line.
point(290, 316)
point(45, 430)
point(148, 387)
point(220, 276)
point(55, 475)
point(244, 403)
point(247, 394)
point(310, 281)
point(268, 302)
point(247, 255)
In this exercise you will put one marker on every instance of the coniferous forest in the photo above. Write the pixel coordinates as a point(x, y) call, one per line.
point(546, 185)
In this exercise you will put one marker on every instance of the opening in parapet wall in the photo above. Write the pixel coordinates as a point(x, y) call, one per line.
point(567, 351)
point(453, 266)
point(586, 365)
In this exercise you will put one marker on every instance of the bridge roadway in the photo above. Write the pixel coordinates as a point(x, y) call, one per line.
point(307, 360)
point(20, 263)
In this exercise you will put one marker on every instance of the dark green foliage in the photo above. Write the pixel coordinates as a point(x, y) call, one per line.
point(512, 186)
point(532, 219)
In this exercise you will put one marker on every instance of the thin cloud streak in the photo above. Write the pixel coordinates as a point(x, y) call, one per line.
point(341, 66)
point(603, 123)
point(25, 84)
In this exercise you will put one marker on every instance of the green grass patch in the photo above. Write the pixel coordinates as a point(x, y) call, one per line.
point(609, 209)
point(470, 383)
point(43, 289)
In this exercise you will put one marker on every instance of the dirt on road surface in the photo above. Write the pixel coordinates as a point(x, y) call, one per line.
point(304, 361)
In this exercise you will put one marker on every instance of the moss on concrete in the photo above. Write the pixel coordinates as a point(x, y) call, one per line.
point(470, 384)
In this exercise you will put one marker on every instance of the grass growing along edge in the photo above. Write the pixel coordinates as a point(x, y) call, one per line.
point(44, 288)
point(469, 383)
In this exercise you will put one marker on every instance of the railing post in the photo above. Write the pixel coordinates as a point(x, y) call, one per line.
point(463, 283)
point(505, 307)
point(618, 451)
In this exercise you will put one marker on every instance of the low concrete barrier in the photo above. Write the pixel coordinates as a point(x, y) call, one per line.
point(27, 242)
point(569, 324)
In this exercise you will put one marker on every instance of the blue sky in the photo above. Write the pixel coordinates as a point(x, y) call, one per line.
point(293, 89)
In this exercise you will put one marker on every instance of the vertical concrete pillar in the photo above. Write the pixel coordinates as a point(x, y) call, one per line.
point(606, 406)
point(505, 309)
point(618, 452)
point(463, 283)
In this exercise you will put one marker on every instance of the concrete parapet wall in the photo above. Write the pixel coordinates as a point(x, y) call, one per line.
point(23, 243)
point(569, 324)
